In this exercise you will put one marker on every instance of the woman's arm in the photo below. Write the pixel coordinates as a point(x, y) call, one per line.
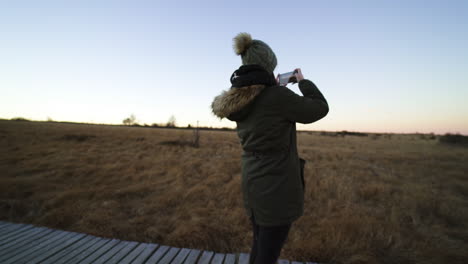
point(304, 109)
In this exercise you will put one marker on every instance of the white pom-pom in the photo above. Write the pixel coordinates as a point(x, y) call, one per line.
point(242, 42)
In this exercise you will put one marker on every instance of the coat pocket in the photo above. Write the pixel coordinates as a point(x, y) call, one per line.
point(302, 161)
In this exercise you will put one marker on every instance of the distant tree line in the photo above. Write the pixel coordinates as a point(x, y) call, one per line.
point(171, 123)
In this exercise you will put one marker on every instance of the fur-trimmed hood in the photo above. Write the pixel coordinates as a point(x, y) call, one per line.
point(236, 103)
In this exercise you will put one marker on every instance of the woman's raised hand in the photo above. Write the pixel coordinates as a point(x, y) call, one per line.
point(298, 75)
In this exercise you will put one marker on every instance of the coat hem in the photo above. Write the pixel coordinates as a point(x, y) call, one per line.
point(274, 223)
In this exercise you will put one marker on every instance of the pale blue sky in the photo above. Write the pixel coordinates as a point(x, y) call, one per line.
point(384, 66)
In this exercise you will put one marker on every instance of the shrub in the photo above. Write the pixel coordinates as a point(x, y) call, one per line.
point(171, 122)
point(129, 121)
point(19, 119)
point(77, 137)
point(347, 133)
point(454, 139)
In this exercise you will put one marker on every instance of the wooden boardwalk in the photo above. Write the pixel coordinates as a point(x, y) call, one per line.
point(24, 243)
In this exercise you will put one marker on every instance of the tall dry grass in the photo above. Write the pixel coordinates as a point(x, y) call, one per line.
point(375, 199)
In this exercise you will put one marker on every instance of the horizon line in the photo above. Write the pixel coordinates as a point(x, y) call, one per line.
point(163, 125)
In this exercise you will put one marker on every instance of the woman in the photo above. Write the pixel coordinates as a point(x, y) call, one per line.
point(266, 115)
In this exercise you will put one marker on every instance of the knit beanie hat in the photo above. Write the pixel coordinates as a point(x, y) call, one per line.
point(254, 51)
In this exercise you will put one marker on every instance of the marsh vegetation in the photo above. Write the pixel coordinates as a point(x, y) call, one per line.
point(383, 198)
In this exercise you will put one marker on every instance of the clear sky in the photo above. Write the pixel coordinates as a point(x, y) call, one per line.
point(384, 66)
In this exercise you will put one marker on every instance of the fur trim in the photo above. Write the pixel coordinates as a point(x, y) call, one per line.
point(234, 99)
point(242, 42)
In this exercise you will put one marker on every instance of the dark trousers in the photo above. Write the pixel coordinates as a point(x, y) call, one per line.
point(267, 242)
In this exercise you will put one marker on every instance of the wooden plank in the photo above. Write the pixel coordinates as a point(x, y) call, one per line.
point(7, 226)
point(206, 257)
point(193, 257)
point(4, 230)
point(109, 254)
point(27, 252)
point(84, 251)
point(60, 247)
point(24, 240)
point(73, 250)
point(133, 254)
point(31, 244)
point(89, 251)
point(25, 244)
point(244, 258)
point(15, 255)
point(16, 231)
point(158, 255)
point(230, 259)
point(179, 259)
point(4, 224)
point(47, 245)
point(24, 233)
point(150, 248)
point(218, 258)
point(122, 253)
point(10, 228)
point(3, 227)
point(52, 248)
point(99, 252)
point(169, 256)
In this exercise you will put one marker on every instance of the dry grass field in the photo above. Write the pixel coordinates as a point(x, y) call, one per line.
point(371, 199)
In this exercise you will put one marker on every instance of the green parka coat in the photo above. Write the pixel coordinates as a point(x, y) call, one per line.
point(272, 172)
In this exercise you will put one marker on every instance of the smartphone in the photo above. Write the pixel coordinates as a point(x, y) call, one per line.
point(288, 77)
